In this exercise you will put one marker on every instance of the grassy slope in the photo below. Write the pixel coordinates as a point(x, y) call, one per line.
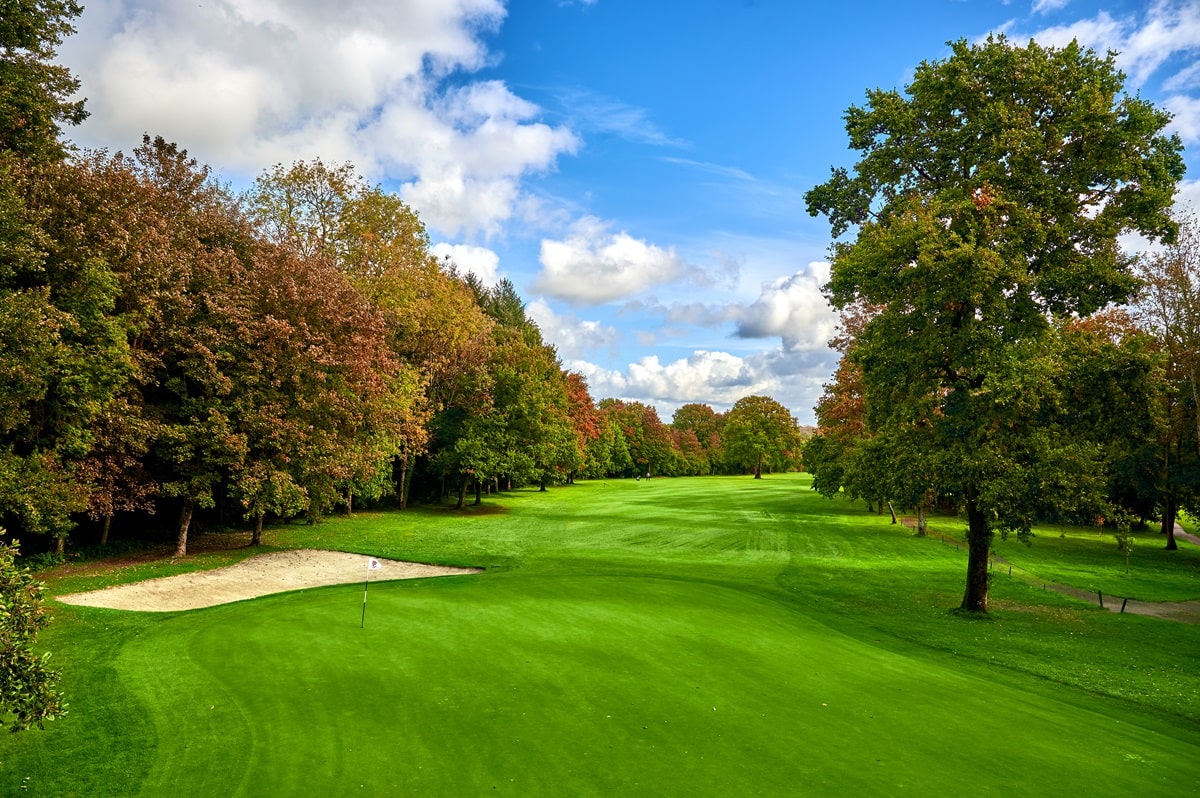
point(715, 636)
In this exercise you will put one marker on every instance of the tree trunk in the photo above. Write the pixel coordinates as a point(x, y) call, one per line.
point(478, 492)
point(758, 467)
point(1196, 404)
point(922, 524)
point(349, 501)
point(256, 535)
point(1170, 513)
point(462, 493)
point(542, 489)
point(104, 529)
point(892, 510)
point(60, 544)
point(185, 521)
point(979, 545)
point(404, 482)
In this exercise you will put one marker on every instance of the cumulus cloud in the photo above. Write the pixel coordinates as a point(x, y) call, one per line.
point(481, 261)
point(1186, 121)
point(244, 85)
point(573, 337)
point(704, 376)
point(715, 378)
point(593, 265)
point(793, 308)
point(1144, 44)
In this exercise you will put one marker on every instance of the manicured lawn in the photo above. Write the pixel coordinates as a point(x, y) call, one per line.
point(670, 637)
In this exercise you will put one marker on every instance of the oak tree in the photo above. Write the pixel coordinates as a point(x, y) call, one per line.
point(988, 199)
point(760, 432)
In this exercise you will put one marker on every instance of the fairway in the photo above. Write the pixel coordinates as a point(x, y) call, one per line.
point(671, 638)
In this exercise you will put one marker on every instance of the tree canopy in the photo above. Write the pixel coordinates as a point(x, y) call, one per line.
point(987, 202)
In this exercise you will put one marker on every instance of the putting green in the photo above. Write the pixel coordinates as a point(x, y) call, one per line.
point(595, 685)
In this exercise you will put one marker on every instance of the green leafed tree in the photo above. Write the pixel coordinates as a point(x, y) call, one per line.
point(761, 434)
point(36, 93)
point(28, 687)
point(987, 200)
point(1169, 309)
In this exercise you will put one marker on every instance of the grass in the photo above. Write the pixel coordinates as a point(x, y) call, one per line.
point(713, 636)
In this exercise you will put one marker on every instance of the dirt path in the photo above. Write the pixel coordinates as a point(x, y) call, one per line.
point(1182, 611)
point(275, 572)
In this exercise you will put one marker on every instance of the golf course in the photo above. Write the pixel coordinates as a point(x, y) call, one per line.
point(699, 636)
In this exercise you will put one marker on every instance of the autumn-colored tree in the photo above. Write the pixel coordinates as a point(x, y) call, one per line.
point(646, 439)
point(434, 324)
point(706, 425)
point(585, 420)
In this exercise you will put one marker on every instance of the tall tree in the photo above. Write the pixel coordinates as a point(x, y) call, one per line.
point(760, 432)
point(585, 419)
point(35, 92)
point(1169, 309)
point(988, 200)
point(434, 323)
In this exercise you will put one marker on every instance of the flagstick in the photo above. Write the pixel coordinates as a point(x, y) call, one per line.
point(372, 565)
point(363, 622)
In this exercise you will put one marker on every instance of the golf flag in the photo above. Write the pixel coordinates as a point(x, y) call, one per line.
point(372, 565)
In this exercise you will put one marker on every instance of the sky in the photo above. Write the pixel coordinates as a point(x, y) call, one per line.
point(635, 167)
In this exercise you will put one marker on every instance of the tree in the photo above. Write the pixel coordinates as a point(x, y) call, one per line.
point(434, 324)
point(34, 91)
point(1169, 309)
point(706, 425)
point(640, 441)
point(63, 355)
point(27, 684)
point(988, 201)
point(584, 418)
point(760, 432)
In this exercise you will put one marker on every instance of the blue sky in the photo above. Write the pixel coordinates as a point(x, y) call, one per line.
point(636, 168)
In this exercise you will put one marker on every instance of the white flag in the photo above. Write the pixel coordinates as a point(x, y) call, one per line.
point(373, 564)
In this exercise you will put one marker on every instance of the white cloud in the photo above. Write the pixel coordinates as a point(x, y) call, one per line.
point(573, 337)
point(1168, 28)
point(1046, 6)
point(245, 84)
point(483, 262)
point(715, 378)
point(1186, 78)
point(794, 309)
point(594, 265)
point(1186, 121)
point(1102, 33)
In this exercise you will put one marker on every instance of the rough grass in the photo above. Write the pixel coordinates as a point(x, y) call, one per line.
point(663, 637)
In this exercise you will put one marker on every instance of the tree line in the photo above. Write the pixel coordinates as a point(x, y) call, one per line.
point(171, 347)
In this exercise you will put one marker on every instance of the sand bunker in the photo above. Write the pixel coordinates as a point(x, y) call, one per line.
point(275, 572)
